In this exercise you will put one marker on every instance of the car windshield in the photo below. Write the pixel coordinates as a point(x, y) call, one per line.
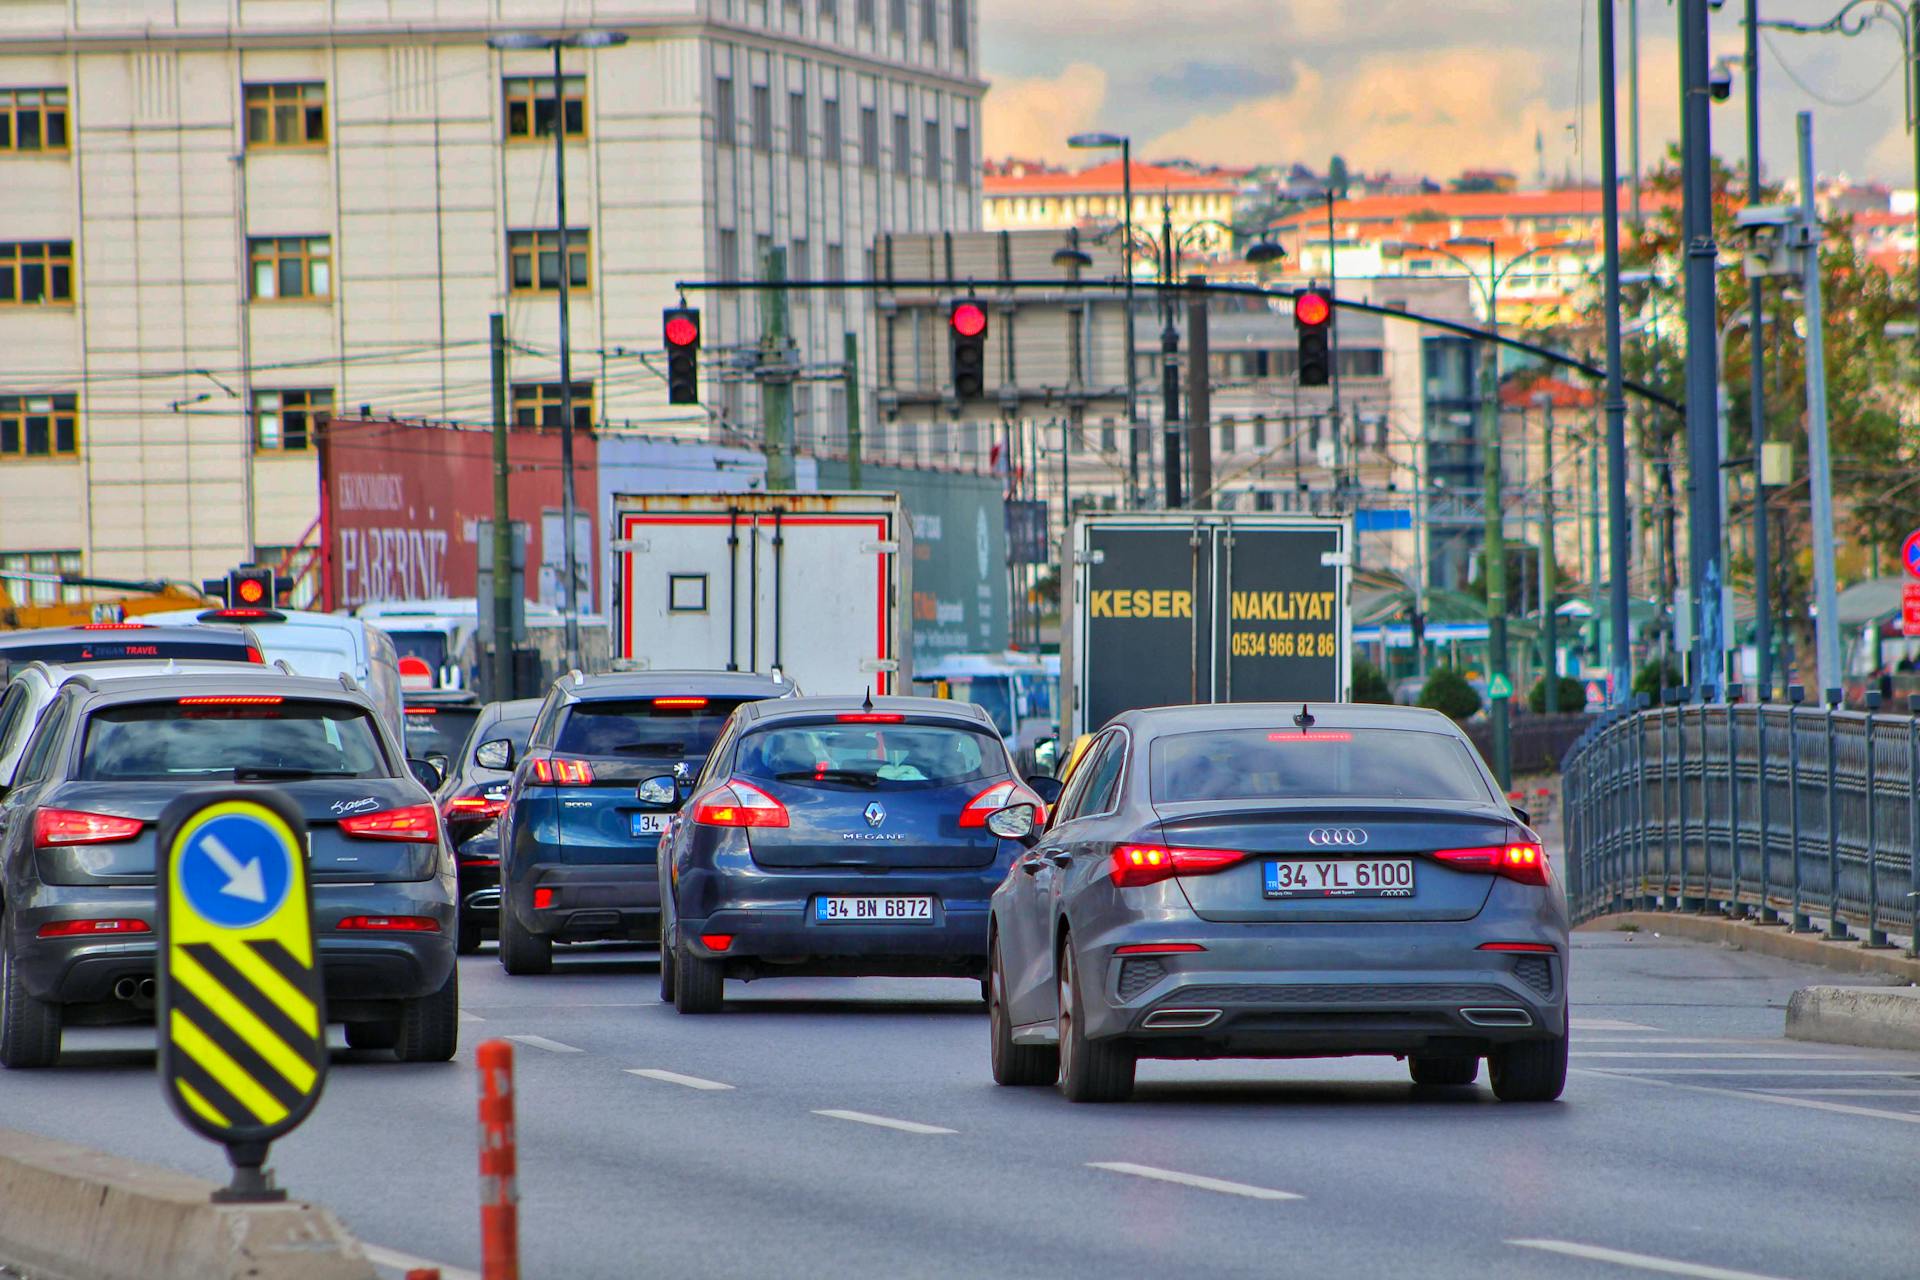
point(1276, 764)
point(438, 731)
point(873, 756)
point(428, 646)
point(668, 727)
point(190, 738)
point(992, 694)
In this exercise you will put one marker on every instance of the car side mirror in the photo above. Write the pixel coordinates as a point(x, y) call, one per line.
point(497, 753)
point(426, 773)
point(440, 761)
point(1048, 789)
point(657, 793)
point(1015, 822)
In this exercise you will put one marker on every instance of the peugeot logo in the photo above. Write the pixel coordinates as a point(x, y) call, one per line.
point(1336, 836)
point(876, 813)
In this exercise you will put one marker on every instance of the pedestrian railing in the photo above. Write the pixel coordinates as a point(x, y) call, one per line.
point(1788, 813)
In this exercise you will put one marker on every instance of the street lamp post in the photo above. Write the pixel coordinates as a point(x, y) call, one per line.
point(1620, 656)
point(1085, 141)
point(563, 274)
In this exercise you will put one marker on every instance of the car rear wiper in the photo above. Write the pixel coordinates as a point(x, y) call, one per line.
point(263, 773)
point(649, 748)
point(852, 777)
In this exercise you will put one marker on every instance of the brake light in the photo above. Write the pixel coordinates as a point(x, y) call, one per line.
point(233, 700)
point(1530, 948)
point(1138, 864)
point(1311, 735)
point(415, 822)
point(475, 807)
point(562, 771)
point(679, 704)
point(391, 924)
point(738, 804)
point(1523, 863)
point(71, 826)
point(1158, 949)
point(542, 899)
point(113, 626)
point(242, 615)
point(83, 928)
point(870, 717)
point(717, 941)
point(423, 711)
point(999, 796)
point(254, 655)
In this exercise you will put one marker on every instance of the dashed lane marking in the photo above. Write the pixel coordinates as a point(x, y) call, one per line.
point(1640, 1261)
point(1609, 1024)
point(1811, 1104)
point(541, 1042)
point(674, 1077)
point(405, 1262)
point(1747, 1071)
point(883, 1122)
point(1852, 1093)
point(1195, 1180)
point(1705, 1057)
point(470, 1017)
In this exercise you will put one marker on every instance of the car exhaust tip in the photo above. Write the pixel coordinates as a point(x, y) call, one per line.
point(146, 989)
point(1498, 1017)
point(1180, 1019)
point(126, 988)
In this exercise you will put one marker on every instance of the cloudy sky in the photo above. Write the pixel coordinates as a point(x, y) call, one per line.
point(1415, 86)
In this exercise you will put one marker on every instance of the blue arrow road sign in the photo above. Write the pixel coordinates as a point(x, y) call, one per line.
point(236, 870)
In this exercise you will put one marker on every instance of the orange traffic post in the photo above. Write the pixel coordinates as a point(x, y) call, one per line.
point(499, 1186)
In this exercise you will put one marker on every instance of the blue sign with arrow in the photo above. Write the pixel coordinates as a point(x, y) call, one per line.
point(236, 870)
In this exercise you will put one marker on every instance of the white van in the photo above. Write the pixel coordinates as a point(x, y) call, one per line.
point(319, 644)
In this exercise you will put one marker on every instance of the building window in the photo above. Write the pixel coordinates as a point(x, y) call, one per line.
point(902, 146)
point(1363, 362)
point(1109, 436)
point(727, 254)
point(36, 272)
point(929, 18)
point(836, 269)
point(930, 135)
point(530, 106)
point(723, 110)
point(797, 124)
point(286, 115)
point(762, 118)
point(869, 138)
point(291, 267)
point(33, 120)
point(1259, 430)
point(762, 246)
point(288, 421)
point(863, 13)
point(957, 11)
point(39, 427)
point(831, 142)
point(537, 404)
point(829, 12)
point(800, 264)
point(29, 592)
point(533, 260)
point(962, 156)
point(897, 17)
point(1224, 435)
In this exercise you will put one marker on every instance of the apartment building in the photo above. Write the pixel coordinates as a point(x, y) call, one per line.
point(1200, 205)
point(222, 221)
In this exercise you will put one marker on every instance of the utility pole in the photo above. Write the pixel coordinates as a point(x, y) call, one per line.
point(502, 520)
point(1550, 639)
point(852, 377)
point(1633, 90)
point(569, 537)
point(1169, 362)
point(1826, 632)
point(1618, 546)
point(1703, 451)
point(776, 387)
point(1495, 553)
point(1333, 362)
point(1756, 380)
point(1199, 398)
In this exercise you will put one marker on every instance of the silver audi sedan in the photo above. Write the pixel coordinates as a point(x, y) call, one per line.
point(1278, 881)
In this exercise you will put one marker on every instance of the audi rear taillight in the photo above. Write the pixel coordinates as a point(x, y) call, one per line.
point(53, 827)
point(1133, 865)
point(1000, 796)
point(738, 804)
point(1523, 863)
point(89, 928)
point(416, 823)
point(562, 771)
point(1158, 949)
point(391, 924)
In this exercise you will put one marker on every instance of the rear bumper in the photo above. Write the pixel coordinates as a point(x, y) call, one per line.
point(619, 901)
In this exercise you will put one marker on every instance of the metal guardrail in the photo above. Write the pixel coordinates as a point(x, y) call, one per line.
point(1784, 813)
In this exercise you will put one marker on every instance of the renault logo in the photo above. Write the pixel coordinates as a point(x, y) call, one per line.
point(876, 814)
point(1323, 836)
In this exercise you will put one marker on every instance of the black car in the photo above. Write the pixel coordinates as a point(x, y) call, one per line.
point(439, 723)
point(113, 641)
point(578, 839)
point(77, 853)
point(471, 801)
point(839, 836)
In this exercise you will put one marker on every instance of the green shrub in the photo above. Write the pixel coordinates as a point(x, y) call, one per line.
point(1448, 692)
point(1573, 695)
point(1369, 684)
point(1655, 676)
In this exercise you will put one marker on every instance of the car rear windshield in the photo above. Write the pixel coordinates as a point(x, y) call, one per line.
point(183, 739)
point(119, 648)
point(1276, 764)
point(665, 728)
point(438, 731)
point(889, 757)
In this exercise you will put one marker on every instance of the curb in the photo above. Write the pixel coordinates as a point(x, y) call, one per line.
point(1872, 1017)
point(1767, 940)
point(67, 1213)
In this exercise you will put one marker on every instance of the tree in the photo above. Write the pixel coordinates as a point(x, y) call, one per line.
point(1448, 692)
point(1369, 684)
point(1338, 179)
point(1573, 695)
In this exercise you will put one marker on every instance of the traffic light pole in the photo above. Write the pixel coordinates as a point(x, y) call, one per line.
point(852, 377)
point(1703, 444)
point(1169, 364)
point(502, 524)
point(1495, 553)
point(776, 391)
point(568, 536)
point(1199, 398)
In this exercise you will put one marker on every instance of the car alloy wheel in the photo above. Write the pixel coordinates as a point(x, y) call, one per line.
point(1013, 1064)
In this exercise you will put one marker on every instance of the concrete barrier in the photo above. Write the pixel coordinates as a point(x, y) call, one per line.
point(1874, 1017)
point(67, 1213)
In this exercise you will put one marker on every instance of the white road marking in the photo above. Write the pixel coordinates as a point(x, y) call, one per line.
point(1640, 1261)
point(674, 1077)
point(470, 1017)
point(1609, 1024)
point(904, 1126)
point(541, 1042)
point(1811, 1104)
point(1745, 1071)
point(404, 1262)
point(1696, 1057)
point(1852, 1093)
point(1192, 1180)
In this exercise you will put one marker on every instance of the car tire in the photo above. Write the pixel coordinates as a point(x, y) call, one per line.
point(522, 953)
point(1014, 1064)
point(373, 1035)
point(29, 1028)
point(1090, 1070)
point(1529, 1071)
point(429, 1027)
point(699, 984)
point(666, 962)
point(1444, 1069)
point(467, 939)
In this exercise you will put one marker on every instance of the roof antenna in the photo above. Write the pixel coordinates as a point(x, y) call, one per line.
point(1304, 719)
point(866, 701)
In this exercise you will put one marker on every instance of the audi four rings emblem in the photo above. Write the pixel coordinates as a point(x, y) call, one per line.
point(1336, 835)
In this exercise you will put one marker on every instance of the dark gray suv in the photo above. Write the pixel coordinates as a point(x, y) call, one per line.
point(77, 853)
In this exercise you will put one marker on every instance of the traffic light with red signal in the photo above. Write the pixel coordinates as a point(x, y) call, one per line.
point(1313, 323)
point(967, 344)
point(249, 586)
point(681, 325)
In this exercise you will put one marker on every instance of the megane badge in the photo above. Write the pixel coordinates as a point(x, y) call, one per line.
point(876, 814)
point(1323, 836)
